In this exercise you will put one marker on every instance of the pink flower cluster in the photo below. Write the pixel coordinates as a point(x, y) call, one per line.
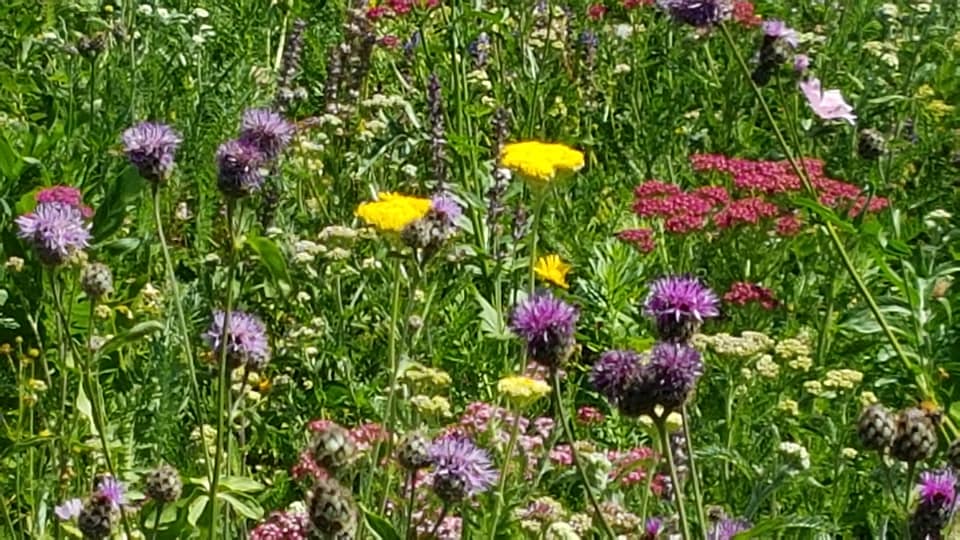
point(742, 293)
point(641, 239)
point(363, 437)
point(630, 468)
point(397, 8)
point(485, 420)
point(67, 195)
point(588, 415)
point(743, 13)
point(282, 526)
point(630, 4)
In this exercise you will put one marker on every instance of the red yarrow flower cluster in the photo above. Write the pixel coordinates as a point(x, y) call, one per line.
point(743, 13)
point(596, 11)
point(641, 239)
point(396, 8)
point(67, 195)
point(742, 293)
point(630, 4)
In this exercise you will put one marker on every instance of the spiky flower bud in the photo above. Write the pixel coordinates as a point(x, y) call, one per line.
point(96, 280)
point(97, 518)
point(333, 448)
point(872, 144)
point(876, 428)
point(414, 451)
point(163, 484)
point(916, 437)
point(332, 511)
point(953, 455)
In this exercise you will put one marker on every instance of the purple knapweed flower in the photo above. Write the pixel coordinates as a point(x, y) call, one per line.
point(937, 504)
point(776, 29)
point(679, 305)
point(248, 342)
point(801, 63)
point(672, 372)
point(55, 230)
point(67, 195)
point(110, 490)
point(151, 148)
point(283, 526)
point(698, 13)
point(613, 371)
point(460, 468)
point(69, 509)
point(547, 325)
point(446, 209)
point(727, 529)
point(239, 164)
point(829, 104)
point(266, 130)
point(652, 528)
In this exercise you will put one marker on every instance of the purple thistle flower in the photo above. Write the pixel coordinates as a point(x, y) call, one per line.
point(446, 209)
point(698, 13)
point(613, 372)
point(673, 371)
point(938, 502)
point(248, 342)
point(56, 231)
point(110, 490)
point(151, 148)
point(679, 304)
point(460, 468)
point(775, 29)
point(547, 325)
point(239, 165)
point(726, 529)
point(266, 130)
point(801, 63)
point(69, 509)
point(653, 528)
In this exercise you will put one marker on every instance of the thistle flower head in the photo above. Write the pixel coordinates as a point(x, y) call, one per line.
point(726, 529)
point(613, 372)
point(938, 488)
point(266, 130)
point(238, 164)
point(674, 370)
point(247, 342)
point(698, 13)
point(461, 468)
point(679, 304)
point(110, 490)
point(547, 325)
point(446, 209)
point(777, 29)
point(151, 148)
point(55, 230)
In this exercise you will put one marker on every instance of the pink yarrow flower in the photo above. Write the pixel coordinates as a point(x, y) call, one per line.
point(829, 104)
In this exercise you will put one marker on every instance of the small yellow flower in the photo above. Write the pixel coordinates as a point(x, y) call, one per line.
point(540, 163)
point(789, 406)
point(522, 391)
point(392, 212)
point(551, 268)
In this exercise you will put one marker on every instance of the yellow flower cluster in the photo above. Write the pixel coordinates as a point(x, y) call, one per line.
point(431, 405)
point(796, 351)
point(842, 378)
point(392, 212)
point(424, 377)
point(539, 163)
point(747, 345)
point(789, 406)
point(522, 391)
point(552, 269)
point(766, 367)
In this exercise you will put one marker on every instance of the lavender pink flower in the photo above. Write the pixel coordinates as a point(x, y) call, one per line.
point(776, 29)
point(67, 195)
point(69, 509)
point(239, 163)
point(266, 130)
point(460, 468)
point(247, 341)
point(151, 148)
point(678, 305)
point(55, 230)
point(547, 325)
point(829, 104)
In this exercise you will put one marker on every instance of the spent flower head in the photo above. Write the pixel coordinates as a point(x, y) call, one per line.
point(698, 13)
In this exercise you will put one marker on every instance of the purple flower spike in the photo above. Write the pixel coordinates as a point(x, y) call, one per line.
point(776, 29)
point(727, 529)
point(239, 165)
point(547, 325)
point(111, 491)
point(266, 130)
point(673, 372)
point(613, 372)
point(460, 468)
point(679, 305)
point(55, 230)
point(698, 13)
point(151, 148)
point(248, 342)
point(70, 509)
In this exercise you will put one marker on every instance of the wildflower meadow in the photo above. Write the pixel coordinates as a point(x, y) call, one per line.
point(486, 269)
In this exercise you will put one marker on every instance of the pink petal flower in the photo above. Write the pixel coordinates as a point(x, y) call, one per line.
point(828, 105)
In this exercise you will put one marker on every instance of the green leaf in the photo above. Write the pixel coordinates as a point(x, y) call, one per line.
point(241, 484)
point(133, 335)
point(85, 407)
point(380, 527)
point(272, 258)
point(196, 509)
point(10, 161)
point(491, 321)
point(112, 211)
point(243, 504)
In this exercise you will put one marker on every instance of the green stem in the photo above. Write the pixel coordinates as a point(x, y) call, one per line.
point(831, 230)
point(394, 369)
point(181, 319)
point(697, 491)
point(504, 473)
point(156, 521)
point(571, 440)
point(223, 386)
point(409, 530)
point(677, 489)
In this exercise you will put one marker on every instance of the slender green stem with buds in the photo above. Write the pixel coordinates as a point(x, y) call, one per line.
point(697, 491)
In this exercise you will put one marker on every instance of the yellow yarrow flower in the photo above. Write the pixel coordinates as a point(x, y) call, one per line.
point(551, 268)
point(522, 391)
point(540, 163)
point(392, 212)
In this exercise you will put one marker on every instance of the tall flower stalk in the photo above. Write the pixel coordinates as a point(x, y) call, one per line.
point(664, 437)
point(692, 463)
